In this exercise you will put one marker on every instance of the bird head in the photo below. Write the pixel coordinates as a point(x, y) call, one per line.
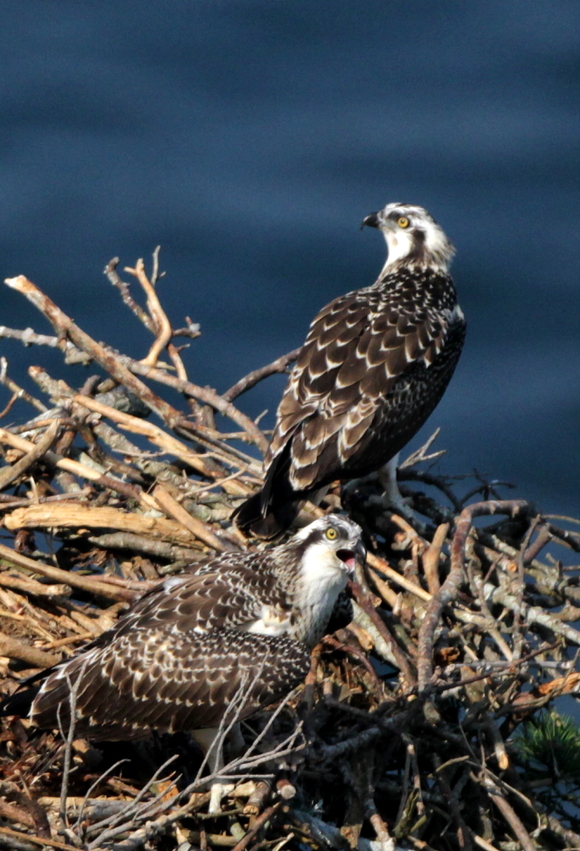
point(327, 552)
point(330, 547)
point(413, 238)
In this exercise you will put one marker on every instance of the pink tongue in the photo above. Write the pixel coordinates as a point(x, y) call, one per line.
point(351, 563)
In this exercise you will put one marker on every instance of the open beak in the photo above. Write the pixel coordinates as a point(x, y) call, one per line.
point(350, 557)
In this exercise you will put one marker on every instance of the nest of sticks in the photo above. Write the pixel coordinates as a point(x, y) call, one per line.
point(406, 732)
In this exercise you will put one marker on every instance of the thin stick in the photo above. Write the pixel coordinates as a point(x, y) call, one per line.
point(450, 587)
point(69, 739)
point(13, 472)
point(257, 826)
point(86, 583)
point(250, 380)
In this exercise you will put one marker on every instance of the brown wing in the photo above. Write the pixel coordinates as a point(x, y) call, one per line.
point(179, 656)
point(170, 681)
point(362, 355)
point(229, 591)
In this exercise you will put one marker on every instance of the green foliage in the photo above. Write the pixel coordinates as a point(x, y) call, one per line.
point(550, 745)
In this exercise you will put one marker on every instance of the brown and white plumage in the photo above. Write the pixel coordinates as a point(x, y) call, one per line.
point(184, 651)
point(374, 365)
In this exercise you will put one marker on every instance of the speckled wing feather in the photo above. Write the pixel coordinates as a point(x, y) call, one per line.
point(180, 655)
point(227, 592)
point(169, 680)
point(233, 634)
point(374, 365)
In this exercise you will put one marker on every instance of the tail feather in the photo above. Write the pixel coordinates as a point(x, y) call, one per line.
point(19, 703)
point(252, 519)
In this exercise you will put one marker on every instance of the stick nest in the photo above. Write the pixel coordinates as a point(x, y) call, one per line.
point(407, 733)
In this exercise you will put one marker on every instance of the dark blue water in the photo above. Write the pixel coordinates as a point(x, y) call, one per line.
point(251, 138)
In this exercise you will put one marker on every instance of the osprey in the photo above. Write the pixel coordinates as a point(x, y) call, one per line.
point(374, 365)
point(238, 629)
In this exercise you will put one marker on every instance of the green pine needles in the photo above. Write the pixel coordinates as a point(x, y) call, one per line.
point(550, 746)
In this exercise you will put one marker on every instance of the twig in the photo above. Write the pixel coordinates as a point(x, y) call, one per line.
point(166, 441)
point(69, 739)
point(257, 826)
point(508, 812)
point(422, 454)
point(463, 833)
point(430, 558)
point(191, 523)
point(117, 368)
point(77, 468)
point(159, 320)
point(85, 583)
point(250, 380)
point(15, 649)
point(382, 566)
point(92, 788)
point(394, 650)
point(450, 587)
point(113, 276)
point(35, 840)
point(17, 391)
point(131, 810)
point(28, 337)
point(10, 474)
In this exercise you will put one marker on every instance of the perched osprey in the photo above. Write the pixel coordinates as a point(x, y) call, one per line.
point(374, 365)
point(240, 626)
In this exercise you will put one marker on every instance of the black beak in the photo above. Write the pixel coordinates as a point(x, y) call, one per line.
point(361, 553)
point(371, 221)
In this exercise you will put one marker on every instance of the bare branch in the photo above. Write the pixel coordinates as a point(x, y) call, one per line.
point(253, 378)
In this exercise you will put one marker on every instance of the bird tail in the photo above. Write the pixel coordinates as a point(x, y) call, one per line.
point(254, 518)
point(270, 512)
point(19, 703)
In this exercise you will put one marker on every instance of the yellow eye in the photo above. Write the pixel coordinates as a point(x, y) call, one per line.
point(331, 533)
point(403, 222)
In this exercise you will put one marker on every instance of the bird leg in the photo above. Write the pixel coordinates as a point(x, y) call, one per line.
point(211, 742)
point(392, 497)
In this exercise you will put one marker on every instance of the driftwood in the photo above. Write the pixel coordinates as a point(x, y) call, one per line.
point(406, 731)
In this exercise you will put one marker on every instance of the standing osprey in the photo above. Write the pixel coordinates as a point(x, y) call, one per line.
point(374, 365)
point(238, 629)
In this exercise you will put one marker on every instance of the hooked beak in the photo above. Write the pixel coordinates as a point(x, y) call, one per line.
point(371, 221)
point(361, 553)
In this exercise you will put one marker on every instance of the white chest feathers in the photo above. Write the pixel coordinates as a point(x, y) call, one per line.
point(272, 621)
point(323, 577)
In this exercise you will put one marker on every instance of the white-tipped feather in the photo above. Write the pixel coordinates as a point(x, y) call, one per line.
point(243, 622)
point(374, 364)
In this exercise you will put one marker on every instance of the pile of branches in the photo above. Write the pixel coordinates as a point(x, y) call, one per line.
point(407, 732)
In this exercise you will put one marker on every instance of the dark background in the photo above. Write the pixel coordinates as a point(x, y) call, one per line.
point(251, 138)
